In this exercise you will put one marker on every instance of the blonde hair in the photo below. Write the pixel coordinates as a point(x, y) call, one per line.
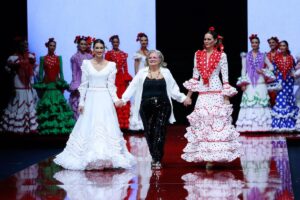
point(160, 55)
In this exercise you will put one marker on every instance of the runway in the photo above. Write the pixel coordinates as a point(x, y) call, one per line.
point(263, 172)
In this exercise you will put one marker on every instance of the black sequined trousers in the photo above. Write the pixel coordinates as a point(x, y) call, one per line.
point(155, 113)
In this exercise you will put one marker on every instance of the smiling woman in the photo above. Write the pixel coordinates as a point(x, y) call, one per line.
point(154, 87)
point(96, 141)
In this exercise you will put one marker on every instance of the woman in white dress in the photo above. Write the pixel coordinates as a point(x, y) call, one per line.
point(139, 63)
point(211, 136)
point(96, 141)
point(140, 56)
point(255, 112)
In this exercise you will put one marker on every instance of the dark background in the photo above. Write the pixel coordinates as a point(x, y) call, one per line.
point(180, 31)
point(12, 25)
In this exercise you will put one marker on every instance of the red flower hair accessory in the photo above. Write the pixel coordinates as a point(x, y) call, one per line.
point(89, 40)
point(78, 38)
point(253, 36)
point(211, 28)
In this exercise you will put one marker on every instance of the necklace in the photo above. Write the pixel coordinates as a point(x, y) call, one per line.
point(150, 74)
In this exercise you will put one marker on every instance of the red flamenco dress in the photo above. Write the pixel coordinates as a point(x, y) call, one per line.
point(122, 81)
point(54, 113)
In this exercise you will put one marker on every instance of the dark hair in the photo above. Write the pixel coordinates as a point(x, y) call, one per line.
point(114, 37)
point(254, 36)
point(219, 45)
point(98, 41)
point(49, 41)
point(287, 45)
point(79, 38)
point(273, 38)
point(140, 35)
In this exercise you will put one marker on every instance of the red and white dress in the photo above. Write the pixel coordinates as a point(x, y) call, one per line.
point(122, 81)
point(20, 114)
point(211, 136)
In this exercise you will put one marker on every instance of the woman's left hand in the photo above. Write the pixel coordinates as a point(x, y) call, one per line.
point(187, 101)
point(226, 100)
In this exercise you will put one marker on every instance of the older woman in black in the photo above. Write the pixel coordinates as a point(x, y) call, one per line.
point(154, 86)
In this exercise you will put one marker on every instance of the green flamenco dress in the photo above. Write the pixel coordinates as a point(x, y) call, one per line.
point(54, 114)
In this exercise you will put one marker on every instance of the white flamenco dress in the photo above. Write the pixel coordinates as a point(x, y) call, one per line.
point(96, 141)
point(138, 125)
point(255, 111)
point(211, 136)
point(20, 114)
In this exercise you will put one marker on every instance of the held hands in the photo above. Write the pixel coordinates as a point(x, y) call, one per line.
point(243, 88)
point(187, 101)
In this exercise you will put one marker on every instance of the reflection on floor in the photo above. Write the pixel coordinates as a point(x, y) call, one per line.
point(263, 172)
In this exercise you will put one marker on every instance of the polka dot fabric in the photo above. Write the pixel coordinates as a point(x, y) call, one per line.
point(211, 135)
point(285, 111)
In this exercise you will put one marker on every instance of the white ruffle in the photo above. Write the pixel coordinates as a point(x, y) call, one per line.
point(137, 56)
point(192, 85)
point(20, 114)
point(101, 150)
point(243, 81)
point(253, 119)
point(275, 86)
point(211, 136)
point(228, 90)
point(275, 113)
point(269, 75)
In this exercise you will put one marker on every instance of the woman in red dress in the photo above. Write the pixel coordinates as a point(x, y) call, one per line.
point(274, 45)
point(122, 78)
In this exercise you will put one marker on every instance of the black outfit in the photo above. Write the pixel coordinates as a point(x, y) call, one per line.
point(155, 112)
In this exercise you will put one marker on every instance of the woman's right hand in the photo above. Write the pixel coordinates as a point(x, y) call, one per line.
point(187, 101)
point(243, 87)
point(80, 109)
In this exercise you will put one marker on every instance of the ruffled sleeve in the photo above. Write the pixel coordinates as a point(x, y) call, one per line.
point(268, 71)
point(297, 69)
point(228, 90)
point(193, 84)
point(111, 83)
point(11, 61)
point(84, 82)
point(243, 80)
point(137, 56)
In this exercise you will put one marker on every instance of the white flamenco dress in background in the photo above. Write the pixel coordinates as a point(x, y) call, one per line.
point(96, 141)
point(137, 125)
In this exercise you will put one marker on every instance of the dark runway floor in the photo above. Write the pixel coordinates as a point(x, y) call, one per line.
point(269, 169)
